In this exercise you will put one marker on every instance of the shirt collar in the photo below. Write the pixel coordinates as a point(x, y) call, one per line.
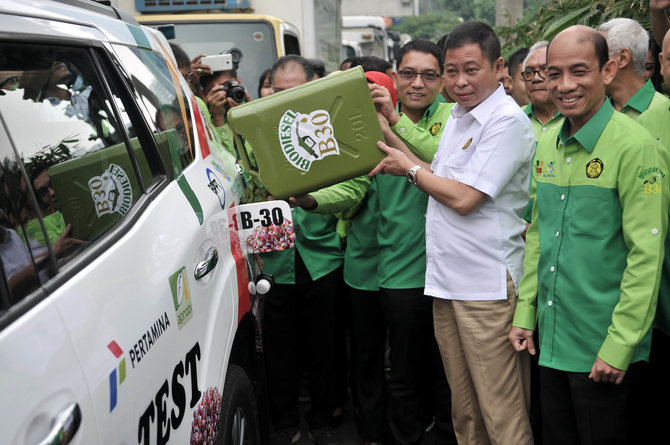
point(588, 135)
point(429, 111)
point(642, 98)
point(528, 109)
point(485, 108)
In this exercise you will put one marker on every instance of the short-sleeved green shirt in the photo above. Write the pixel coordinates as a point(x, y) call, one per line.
point(594, 249)
point(402, 207)
point(644, 98)
point(656, 120)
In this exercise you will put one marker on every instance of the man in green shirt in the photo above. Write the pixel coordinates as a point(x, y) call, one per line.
point(417, 378)
point(300, 328)
point(657, 389)
point(593, 250)
point(628, 44)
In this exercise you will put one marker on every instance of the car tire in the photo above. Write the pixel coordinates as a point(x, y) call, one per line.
point(238, 422)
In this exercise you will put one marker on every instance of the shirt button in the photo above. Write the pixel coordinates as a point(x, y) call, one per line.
point(402, 129)
point(568, 160)
point(549, 303)
point(557, 234)
point(552, 268)
point(562, 197)
point(654, 231)
point(544, 128)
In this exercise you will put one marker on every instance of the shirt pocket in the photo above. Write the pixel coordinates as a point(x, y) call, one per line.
point(594, 212)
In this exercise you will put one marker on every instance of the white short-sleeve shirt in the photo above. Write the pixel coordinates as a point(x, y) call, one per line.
point(490, 149)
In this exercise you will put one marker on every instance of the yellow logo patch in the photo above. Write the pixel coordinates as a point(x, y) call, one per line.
point(467, 144)
point(435, 128)
point(594, 168)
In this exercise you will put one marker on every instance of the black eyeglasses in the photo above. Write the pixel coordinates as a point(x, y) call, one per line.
point(529, 74)
point(429, 76)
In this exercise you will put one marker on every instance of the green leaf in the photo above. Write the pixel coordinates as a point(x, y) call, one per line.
point(563, 22)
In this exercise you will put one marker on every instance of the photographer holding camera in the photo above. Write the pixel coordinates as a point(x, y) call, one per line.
point(223, 88)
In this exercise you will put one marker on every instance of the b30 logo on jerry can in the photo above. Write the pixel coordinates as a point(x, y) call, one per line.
point(306, 138)
point(111, 191)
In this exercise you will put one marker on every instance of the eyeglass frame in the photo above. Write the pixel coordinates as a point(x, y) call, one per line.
point(418, 73)
point(533, 72)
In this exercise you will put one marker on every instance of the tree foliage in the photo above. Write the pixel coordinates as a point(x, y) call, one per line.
point(429, 26)
point(545, 19)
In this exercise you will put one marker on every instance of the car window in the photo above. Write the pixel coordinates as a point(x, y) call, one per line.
point(163, 102)
point(72, 164)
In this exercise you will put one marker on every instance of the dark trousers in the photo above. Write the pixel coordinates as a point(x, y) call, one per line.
point(418, 392)
point(576, 410)
point(300, 331)
point(368, 346)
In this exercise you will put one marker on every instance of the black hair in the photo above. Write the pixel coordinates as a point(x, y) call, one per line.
point(180, 56)
point(475, 32)
point(599, 45)
point(372, 63)
point(516, 60)
point(423, 46)
point(292, 59)
point(261, 79)
point(351, 60)
point(319, 67)
point(440, 43)
point(207, 80)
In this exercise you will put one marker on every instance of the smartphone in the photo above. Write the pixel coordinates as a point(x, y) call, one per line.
point(221, 62)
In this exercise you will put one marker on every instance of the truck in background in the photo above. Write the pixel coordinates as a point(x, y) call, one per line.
point(368, 35)
point(263, 30)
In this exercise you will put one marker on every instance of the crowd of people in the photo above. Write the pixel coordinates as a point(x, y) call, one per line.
point(499, 277)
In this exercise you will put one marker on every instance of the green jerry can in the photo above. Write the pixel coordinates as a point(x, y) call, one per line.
point(311, 136)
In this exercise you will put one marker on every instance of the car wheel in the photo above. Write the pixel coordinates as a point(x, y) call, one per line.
point(238, 422)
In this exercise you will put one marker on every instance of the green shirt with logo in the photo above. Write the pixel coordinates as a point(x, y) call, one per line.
point(402, 207)
point(594, 249)
point(539, 129)
point(656, 120)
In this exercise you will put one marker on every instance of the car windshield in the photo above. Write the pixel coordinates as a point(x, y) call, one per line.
point(254, 38)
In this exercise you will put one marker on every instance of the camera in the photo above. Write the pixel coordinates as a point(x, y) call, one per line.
point(234, 90)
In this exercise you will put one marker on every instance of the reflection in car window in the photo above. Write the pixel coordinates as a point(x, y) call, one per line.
point(74, 160)
point(163, 102)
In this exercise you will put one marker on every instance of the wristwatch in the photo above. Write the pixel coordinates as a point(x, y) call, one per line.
point(411, 174)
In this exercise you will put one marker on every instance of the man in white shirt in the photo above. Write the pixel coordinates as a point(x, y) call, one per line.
point(478, 187)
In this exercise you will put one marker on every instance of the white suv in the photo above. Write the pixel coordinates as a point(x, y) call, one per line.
point(125, 307)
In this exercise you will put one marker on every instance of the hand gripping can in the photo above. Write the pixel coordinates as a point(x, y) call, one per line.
point(311, 136)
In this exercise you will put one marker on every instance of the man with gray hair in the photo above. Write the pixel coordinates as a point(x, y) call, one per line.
point(628, 43)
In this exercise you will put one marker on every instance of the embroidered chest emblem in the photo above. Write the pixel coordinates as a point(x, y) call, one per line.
point(594, 168)
point(435, 128)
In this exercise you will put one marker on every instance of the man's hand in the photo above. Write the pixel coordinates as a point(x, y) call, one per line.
point(199, 69)
point(659, 4)
point(64, 244)
point(219, 103)
point(305, 201)
point(395, 163)
point(522, 339)
point(603, 372)
point(383, 103)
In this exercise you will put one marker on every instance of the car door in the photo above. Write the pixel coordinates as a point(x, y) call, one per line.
point(126, 213)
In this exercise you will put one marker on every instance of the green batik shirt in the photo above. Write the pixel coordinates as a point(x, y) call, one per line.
point(539, 129)
point(402, 207)
point(656, 120)
point(644, 98)
point(318, 244)
point(594, 249)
